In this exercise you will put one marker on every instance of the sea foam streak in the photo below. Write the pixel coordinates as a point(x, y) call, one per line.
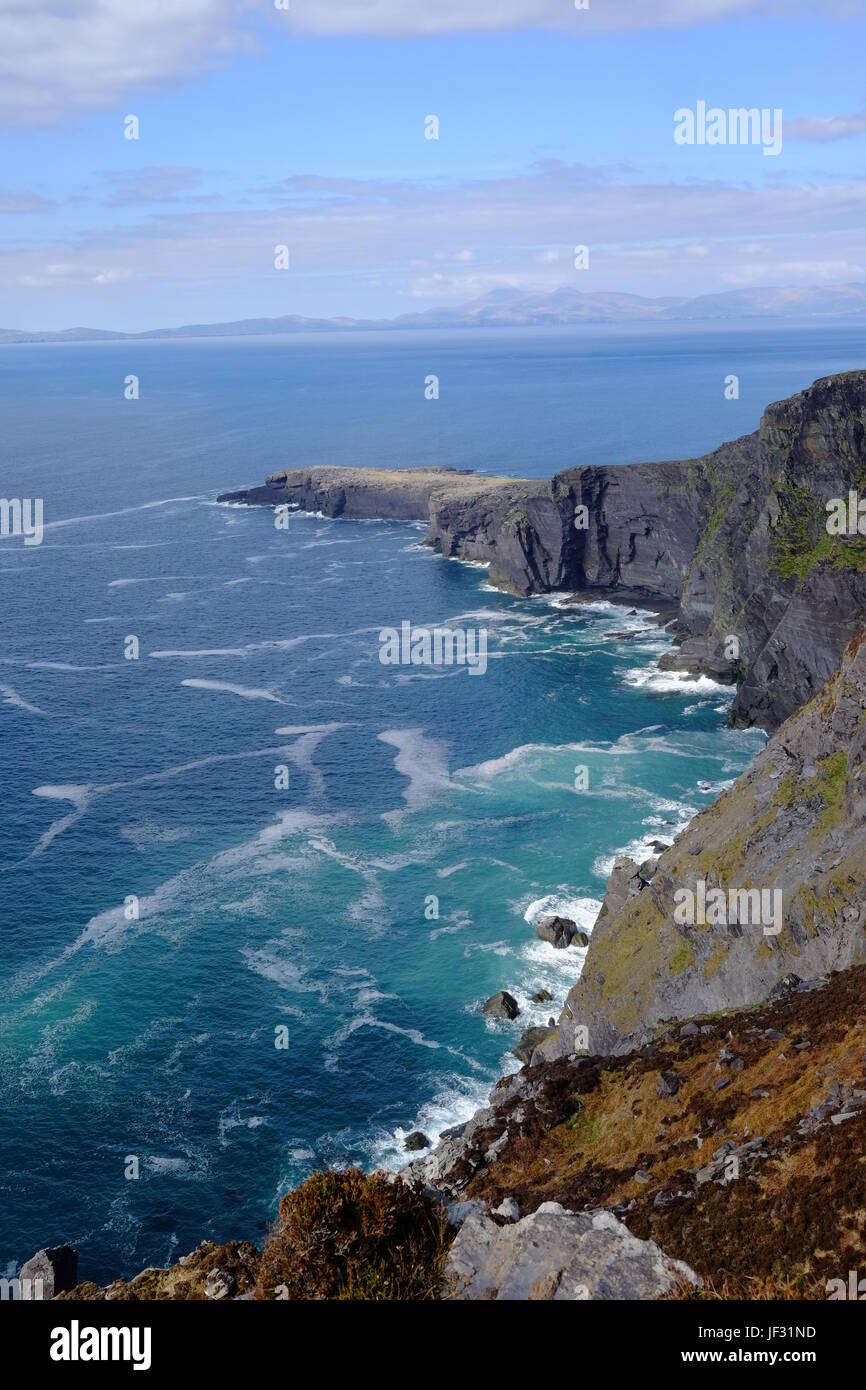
point(245, 692)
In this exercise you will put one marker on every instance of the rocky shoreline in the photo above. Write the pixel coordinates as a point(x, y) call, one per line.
point(734, 542)
point(694, 1122)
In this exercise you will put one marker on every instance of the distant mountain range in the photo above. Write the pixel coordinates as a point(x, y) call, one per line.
point(508, 308)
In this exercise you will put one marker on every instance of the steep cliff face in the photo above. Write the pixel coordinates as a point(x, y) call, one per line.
point(768, 598)
point(766, 571)
point(766, 883)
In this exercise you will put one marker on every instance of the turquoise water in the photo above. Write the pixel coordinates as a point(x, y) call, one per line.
point(312, 907)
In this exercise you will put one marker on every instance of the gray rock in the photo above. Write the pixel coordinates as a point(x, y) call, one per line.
point(455, 1132)
point(50, 1271)
point(508, 1208)
point(501, 1005)
point(558, 1255)
point(668, 1084)
point(219, 1284)
point(558, 931)
point(530, 1040)
point(458, 1212)
point(415, 1141)
point(543, 996)
point(788, 985)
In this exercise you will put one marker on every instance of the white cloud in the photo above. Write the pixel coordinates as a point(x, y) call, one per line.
point(368, 248)
point(398, 18)
point(61, 58)
point(76, 272)
point(428, 17)
point(157, 183)
point(15, 203)
point(824, 128)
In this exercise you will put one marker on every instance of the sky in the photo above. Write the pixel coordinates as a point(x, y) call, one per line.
point(303, 124)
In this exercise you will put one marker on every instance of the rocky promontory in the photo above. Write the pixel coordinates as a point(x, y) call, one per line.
point(737, 540)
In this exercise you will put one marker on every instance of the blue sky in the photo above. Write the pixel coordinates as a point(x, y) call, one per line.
point(260, 127)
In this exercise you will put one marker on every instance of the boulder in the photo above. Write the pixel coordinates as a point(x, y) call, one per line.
point(57, 1269)
point(458, 1212)
point(668, 1084)
point(543, 996)
point(415, 1141)
point(507, 1209)
point(558, 931)
point(558, 1255)
point(530, 1040)
point(501, 1005)
point(220, 1283)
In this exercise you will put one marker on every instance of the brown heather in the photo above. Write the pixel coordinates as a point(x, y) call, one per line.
point(347, 1235)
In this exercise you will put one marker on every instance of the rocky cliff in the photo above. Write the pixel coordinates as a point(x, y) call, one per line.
point(764, 886)
point(737, 538)
point(733, 1144)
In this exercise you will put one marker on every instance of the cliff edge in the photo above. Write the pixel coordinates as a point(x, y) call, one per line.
point(767, 597)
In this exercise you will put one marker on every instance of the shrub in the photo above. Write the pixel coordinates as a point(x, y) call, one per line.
point(349, 1235)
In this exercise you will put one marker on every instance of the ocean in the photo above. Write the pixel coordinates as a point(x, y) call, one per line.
point(255, 885)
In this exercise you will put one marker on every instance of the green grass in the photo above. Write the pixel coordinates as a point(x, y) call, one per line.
point(801, 539)
point(683, 958)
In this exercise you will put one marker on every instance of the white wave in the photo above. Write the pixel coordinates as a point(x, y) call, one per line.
point(301, 752)
point(559, 969)
point(455, 1102)
point(60, 666)
point(11, 697)
point(494, 767)
point(280, 644)
point(672, 682)
point(157, 1163)
point(367, 1020)
point(191, 887)
point(452, 869)
point(581, 910)
point(245, 692)
point(310, 728)
point(643, 847)
point(128, 583)
point(82, 796)
point(431, 676)
point(455, 922)
point(423, 762)
point(123, 511)
point(231, 1118)
point(256, 905)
